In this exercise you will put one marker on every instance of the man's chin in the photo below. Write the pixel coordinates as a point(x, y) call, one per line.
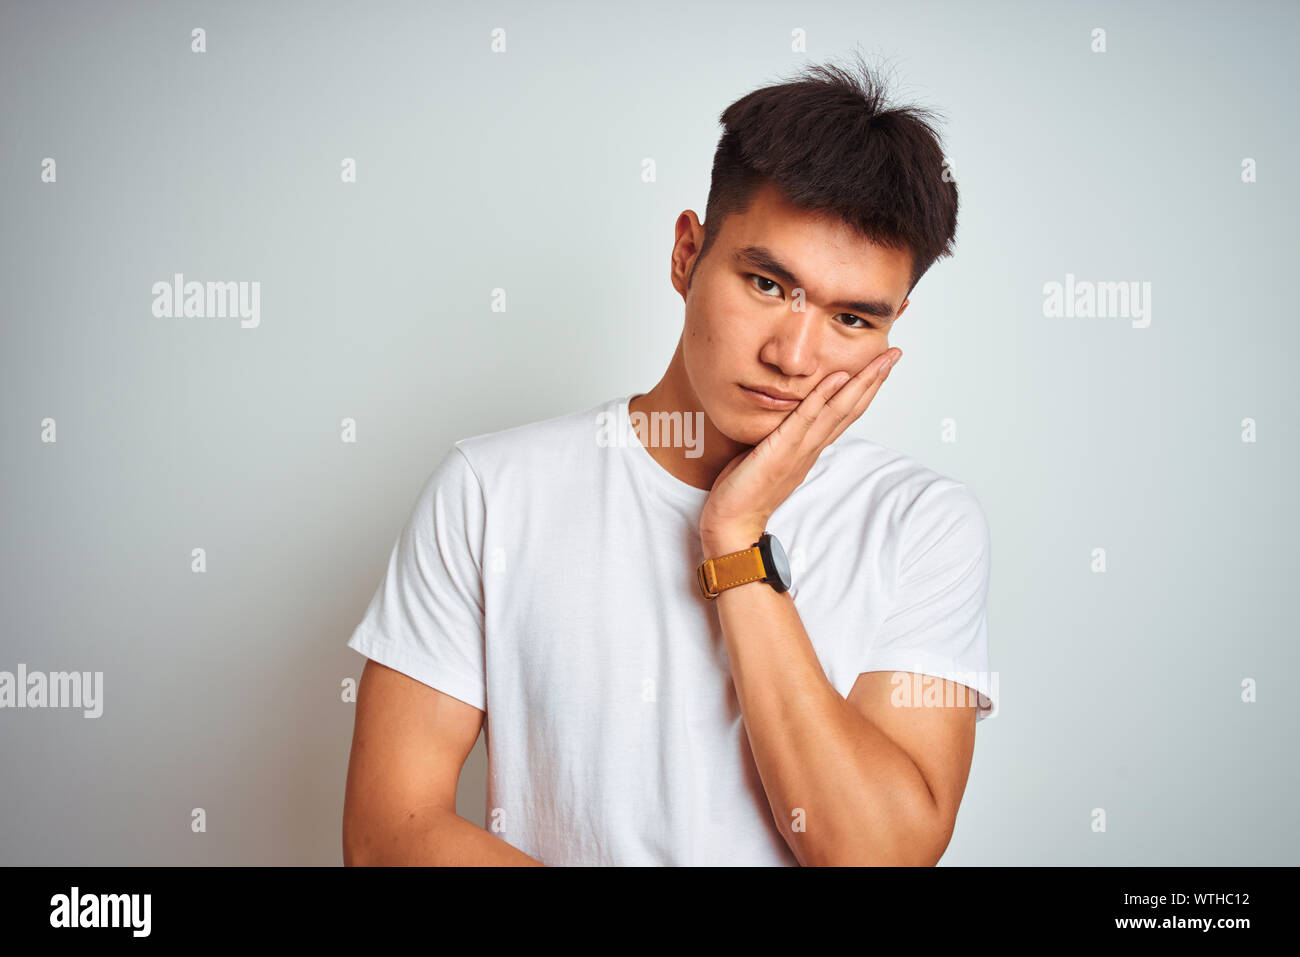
point(748, 427)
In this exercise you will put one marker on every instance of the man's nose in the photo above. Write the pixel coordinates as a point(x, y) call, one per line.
point(793, 343)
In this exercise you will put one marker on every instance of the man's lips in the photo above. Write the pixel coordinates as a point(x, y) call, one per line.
point(775, 393)
point(770, 400)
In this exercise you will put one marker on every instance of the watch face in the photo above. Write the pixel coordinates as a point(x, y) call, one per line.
point(774, 559)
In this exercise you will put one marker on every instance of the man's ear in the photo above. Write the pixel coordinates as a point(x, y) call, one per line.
point(901, 309)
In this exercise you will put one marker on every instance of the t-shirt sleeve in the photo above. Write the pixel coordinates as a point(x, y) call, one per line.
point(938, 623)
point(426, 618)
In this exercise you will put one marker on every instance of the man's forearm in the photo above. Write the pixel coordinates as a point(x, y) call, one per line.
point(437, 837)
point(824, 766)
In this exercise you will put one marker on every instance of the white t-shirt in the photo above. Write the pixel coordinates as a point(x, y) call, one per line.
point(546, 576)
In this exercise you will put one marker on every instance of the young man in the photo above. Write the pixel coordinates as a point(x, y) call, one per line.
point(659, 684)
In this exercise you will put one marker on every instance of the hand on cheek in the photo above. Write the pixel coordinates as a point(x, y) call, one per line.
point(754, 483)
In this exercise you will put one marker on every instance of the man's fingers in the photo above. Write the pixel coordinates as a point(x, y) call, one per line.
point(833, 405)
point(853, 399)
point(810, 409)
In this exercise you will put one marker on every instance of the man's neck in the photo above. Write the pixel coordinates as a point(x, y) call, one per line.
point(674, 394)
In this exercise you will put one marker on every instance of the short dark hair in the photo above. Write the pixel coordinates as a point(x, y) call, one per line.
point(829, 142)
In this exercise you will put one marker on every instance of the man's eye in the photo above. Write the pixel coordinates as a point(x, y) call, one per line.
point(863, 323)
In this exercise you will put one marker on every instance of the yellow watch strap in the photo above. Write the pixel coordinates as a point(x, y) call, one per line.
point(727, 571)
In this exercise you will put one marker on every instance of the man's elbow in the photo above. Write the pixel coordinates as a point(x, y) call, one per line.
point(358, 842)
point(353, 849)
point(928, 832)
point(928, 839)
point(939, 835)
point(922, 849)
point(920, 842)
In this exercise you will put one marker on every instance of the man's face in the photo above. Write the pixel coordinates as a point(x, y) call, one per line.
point(783, 299)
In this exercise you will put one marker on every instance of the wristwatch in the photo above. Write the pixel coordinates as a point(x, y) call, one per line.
point(764, 561)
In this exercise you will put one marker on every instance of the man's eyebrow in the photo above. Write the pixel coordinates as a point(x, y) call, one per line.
point(760, 257)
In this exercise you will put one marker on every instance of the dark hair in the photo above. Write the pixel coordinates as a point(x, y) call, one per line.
point(830, 143)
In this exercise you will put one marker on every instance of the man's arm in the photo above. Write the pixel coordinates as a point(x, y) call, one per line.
point(409, 744)
point(876, 784)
